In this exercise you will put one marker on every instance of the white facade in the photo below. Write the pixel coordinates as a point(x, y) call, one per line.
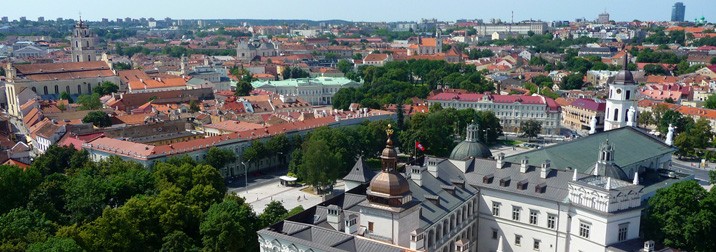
point(622, 99)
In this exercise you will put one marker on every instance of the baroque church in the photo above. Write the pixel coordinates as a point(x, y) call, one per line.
point(582, 195)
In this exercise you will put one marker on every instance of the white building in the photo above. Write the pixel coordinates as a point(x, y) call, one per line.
point(510, 109)
point(317, 91)
point(621, 104)
point(471, 203)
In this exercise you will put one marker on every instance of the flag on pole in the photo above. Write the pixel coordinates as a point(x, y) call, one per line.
point(419, 146)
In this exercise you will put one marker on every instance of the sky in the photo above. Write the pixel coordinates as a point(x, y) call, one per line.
point(357, 10)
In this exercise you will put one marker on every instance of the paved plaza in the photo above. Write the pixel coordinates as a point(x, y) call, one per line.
point(259, 196)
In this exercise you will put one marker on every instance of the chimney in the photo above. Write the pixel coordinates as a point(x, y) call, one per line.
point(524, 164)
point(417, 239)
point(545, 169)
point(636, 178)
point(432, 166)
point(648, 246)
point(609, 183)
point(416, 174)
point(351, 224)
point(574, 176)
point(335, 217)
point(500, 160)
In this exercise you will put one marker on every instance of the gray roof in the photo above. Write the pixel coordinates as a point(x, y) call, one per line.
point(555, 183)
point(631, 146)
point(470, 149)
point(360, 172)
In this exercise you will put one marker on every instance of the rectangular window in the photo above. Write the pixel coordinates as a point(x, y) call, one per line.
point(494, 234)
point(496, 208)
point(533, 217)
point(518, 240)
point(535, 244)
point(551, 221)
point(516, 213)
point(584, 229)
point(370, 226)
point(623, 231)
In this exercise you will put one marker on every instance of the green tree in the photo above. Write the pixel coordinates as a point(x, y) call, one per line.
point(646, 118)
point(298, 209)
point(89, 102)
point(66, 96)
point(344, 66)
point(20, 227)
point(58, 159)
point(16, 185)
point(218, 157)
point(681, 216)
point(694, 139)
point(243, 86)
point(320, 166)
point(47, 198)
point(98, 119)
point(713, 61)
point(274, 212)
point(654, 69)
point(194, 106)
point(710, 102)
point(122, 66)
point(530, 128)
point(178, 241)
point(229, 226)
point(55, 244)
point(112, 231)
point(572, 81)
point(674, 118)
point(107, 87)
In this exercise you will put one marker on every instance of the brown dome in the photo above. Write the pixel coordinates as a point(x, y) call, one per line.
point(624, 77)
point(389, 153)
point(389, 183)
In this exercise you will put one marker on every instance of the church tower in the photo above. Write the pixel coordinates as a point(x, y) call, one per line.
point(621, 102)
point(83, 43)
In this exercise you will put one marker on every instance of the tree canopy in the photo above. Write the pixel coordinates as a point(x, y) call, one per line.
point(682, 216)
point(98, 119)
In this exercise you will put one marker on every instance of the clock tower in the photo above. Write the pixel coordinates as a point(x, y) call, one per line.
point(621, 103)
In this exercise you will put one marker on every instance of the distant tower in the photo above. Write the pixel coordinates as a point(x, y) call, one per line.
point(622, 98)
point(677, 12)
point(603, 18)
point(83, 43)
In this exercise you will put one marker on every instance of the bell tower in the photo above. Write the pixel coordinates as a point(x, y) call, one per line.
point(621, 100)
point(83, 43)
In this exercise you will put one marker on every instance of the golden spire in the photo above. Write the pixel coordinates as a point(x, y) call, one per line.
point(389, 132)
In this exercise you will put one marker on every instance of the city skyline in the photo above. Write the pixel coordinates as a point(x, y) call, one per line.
point(369, 10)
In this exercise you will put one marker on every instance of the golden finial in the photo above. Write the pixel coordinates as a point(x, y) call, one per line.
point(389, 132)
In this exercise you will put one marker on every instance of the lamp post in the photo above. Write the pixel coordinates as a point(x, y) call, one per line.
point(246, 176)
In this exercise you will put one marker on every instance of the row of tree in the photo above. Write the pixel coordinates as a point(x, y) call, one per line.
point(65, 202)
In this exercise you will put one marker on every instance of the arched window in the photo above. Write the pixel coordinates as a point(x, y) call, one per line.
point(77, 44)
point(88, 58)
point(45, 87)
point(89, 88)
point(628, 93)
point(616, 114)
point(78, 58)
point(79, 89)
point(57, 89)
point(67, 89)
point(34, 90)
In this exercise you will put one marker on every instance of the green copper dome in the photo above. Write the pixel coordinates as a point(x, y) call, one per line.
point(471, 147)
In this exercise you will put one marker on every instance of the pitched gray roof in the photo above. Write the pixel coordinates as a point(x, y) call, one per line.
point(631, 146)
point(360, 172)
point(555, 183)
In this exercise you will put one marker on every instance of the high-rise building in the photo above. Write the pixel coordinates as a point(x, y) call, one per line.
point(603, 18)
point(677, 12)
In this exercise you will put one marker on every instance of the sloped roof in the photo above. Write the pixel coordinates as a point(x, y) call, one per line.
point(360, 172)
point(630, 145)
